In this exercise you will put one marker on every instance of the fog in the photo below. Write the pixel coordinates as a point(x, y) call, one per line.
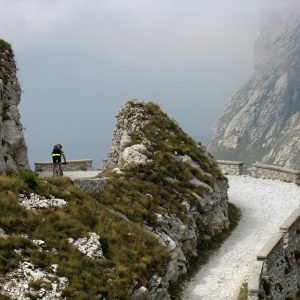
point(80, 61)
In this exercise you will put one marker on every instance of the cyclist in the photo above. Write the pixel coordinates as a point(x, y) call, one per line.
point(57, 153)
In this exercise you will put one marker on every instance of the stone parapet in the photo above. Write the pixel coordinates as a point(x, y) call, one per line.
point(275, 274)
point(72, 165)
point(274, 172)
point(254, 280)
point(230, 167)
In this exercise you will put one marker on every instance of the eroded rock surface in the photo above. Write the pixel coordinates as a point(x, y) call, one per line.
point(124, 150)
point(29, 281)
point(13, 150)
point(262, 120)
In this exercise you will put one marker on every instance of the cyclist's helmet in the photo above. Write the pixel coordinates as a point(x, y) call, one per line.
point(59, 146)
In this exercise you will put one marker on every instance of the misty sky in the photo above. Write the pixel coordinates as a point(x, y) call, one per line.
point(80, 60)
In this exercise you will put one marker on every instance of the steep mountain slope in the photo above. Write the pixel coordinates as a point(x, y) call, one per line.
point(163, 197)
point(13, 151)
point(262, 120)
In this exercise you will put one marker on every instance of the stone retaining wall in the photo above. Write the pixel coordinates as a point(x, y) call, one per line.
point(230, 167)
point(276, 273)
point(72, 165)
point(91, 185)
point(275, 172)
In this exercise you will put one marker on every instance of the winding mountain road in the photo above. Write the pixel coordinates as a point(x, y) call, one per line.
point(264, 204)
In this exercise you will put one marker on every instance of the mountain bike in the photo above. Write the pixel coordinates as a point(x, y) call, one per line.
point(57, 169)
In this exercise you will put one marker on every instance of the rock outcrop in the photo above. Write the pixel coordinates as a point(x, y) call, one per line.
point(154, 150)
point(262, 120)
point(13, 151)
point(30, 282)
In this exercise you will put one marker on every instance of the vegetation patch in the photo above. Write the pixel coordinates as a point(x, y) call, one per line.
point(6, 66)
point(131, 253)
point(243, 294)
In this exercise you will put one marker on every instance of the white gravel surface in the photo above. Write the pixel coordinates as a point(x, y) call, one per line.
point(264, 204)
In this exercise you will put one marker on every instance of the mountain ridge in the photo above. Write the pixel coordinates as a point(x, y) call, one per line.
point(261, 122)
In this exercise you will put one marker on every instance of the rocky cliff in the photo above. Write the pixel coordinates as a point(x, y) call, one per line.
point(13, 151)
point(175, 185)
point(262, 120)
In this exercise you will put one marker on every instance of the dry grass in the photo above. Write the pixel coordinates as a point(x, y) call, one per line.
point(131, 253)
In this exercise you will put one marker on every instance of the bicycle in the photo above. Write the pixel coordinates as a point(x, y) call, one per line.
point(57, 169)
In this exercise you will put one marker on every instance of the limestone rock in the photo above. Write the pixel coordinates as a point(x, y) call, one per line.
point(37, 202)
point(91, 247)
point(262, 120)
point(16, 284)
point(124, 150)
point(13, 150)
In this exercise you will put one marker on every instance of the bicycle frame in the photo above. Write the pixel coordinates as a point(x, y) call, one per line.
point(57, 169)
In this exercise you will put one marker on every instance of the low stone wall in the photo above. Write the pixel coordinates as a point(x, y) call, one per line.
point(276, 273)
point(91, 185)
point(72, 165)
point(230, 167)
point(275, 172)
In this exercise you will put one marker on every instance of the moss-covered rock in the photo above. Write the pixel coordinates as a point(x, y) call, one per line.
point(162, 178)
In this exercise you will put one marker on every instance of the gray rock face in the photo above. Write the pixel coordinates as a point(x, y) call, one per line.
point(124, 150)
point(262, 120)
point(13, 150)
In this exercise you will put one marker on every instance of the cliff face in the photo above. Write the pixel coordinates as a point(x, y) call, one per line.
point(262, 120)
point(171, 176)
point(13, 151)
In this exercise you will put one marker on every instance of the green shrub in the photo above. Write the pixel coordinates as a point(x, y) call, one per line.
point(29, 177)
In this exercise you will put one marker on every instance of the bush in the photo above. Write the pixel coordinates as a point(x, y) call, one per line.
point(29, 177)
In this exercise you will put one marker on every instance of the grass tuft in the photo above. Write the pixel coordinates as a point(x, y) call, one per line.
point(243, 294)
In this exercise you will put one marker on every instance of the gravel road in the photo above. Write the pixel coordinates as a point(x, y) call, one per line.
point(74, 174)
point(264, 204)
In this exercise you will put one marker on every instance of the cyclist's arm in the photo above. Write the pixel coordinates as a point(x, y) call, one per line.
point(64, 157)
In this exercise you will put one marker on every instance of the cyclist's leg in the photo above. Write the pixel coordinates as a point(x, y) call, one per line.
point(60, 171)
point(53, 166)
point(57, 166)
point(55, 169)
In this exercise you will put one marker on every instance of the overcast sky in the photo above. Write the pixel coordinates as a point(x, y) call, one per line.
point(80, 60)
